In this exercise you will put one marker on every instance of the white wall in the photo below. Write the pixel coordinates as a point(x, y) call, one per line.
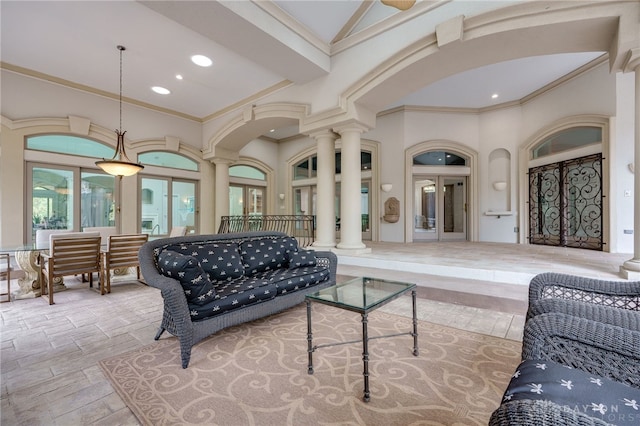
point(622, 152)
point(390, 133)
point(498, 130)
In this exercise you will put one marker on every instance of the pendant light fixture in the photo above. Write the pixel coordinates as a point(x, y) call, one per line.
point(399, 4)
point(120, 165)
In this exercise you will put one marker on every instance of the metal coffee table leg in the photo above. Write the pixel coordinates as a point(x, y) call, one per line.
point(365, 357)
point(415, 324)
point(309, 338)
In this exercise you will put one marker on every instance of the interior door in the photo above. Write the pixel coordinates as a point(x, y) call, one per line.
point(245, 200)
point(439, 208)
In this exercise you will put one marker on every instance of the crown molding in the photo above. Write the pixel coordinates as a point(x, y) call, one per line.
point(103, 93)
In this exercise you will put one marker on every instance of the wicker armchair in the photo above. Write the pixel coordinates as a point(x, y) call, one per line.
point(617, 294)
point(596, 347)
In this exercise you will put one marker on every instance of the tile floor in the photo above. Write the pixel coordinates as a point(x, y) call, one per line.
point(49, 354)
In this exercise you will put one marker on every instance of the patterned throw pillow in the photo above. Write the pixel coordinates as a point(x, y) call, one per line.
point(186, 269)
point(298, 259)
point(222, 261)
point(266, 254)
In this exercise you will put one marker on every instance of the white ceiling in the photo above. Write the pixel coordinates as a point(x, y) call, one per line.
point(76, 41)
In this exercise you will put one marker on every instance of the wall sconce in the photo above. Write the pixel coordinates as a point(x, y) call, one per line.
point(281, 196)
point(386, 187)
point(500, 185)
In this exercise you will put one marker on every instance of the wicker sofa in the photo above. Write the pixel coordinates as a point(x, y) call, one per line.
point(211, 282)
point(583, 332)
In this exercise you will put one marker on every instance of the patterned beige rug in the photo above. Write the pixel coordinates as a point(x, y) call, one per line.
point(256, 374)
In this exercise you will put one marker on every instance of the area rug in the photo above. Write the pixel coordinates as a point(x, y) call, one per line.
point(256, 374)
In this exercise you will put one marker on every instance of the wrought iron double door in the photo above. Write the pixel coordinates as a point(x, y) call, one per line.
point(565, 203)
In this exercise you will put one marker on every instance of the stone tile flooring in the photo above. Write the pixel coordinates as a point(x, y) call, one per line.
point(49, 354)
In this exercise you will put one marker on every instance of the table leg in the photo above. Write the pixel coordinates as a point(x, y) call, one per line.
point(365, 357)
point(309, 338)
point(415, 324)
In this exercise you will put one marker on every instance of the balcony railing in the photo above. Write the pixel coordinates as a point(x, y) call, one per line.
point(302, 227)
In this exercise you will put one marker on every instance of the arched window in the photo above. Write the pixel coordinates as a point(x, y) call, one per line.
point(438, 158)
point(566, 140)
point(168, 159)
point(72, 145)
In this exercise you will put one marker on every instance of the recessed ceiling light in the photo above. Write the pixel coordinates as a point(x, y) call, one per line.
point(272, 130)
point(201, 60)
point(179, 76)
point(494, 96)
point(161, 90)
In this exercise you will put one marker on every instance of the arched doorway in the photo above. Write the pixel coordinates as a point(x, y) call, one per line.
point(566, 181)
point(440, 192)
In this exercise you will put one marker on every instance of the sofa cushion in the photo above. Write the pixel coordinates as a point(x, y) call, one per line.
point(574, 389)
point(198, 289)
point(301, 258)
point(266, 254)
point(288, 280)
point(222, 261)
point(234, 294)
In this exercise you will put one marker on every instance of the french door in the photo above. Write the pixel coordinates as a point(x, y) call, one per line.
point(245, 200)
point(166, 203)
point(439, 208)
point(69, 198)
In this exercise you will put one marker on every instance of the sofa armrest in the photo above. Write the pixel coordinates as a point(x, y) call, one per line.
point(176, 310)
point(617, 294)
point(621, 317)
point(328, 258)
point(602, 349)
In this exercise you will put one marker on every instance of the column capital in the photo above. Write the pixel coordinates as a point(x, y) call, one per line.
point(632, 61)
point(351, 127)
point(222, 161)
point(324, 133)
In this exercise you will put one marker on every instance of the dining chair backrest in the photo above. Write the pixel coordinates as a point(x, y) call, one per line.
point(122, 250)
point(69, 235)
point(70, 253)
point(105, 231)
point(74, 253)
point(42, 236)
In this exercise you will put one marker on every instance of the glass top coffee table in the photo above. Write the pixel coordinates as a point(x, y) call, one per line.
point(361, 295)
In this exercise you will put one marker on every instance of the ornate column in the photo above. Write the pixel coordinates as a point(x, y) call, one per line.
point(350, 197)
point(631, 268)
point(222, 190)
point(325, 213)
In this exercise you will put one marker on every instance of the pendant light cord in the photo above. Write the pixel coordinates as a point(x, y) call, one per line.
point(121, 49)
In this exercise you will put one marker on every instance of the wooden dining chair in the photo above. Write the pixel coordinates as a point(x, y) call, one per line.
point(69, 254)
point(5, 272)
point(121, 252)
point(178, 231)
